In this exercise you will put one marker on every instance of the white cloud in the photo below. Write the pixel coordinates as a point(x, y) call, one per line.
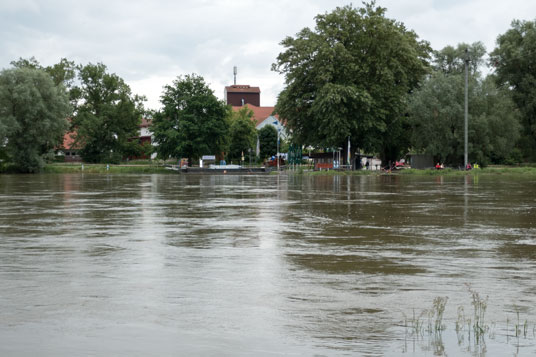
point(150, 43)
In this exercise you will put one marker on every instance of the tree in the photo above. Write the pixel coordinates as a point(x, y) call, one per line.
point(350, 77)
point(267, 141)
point(192, 122)
point(450, 60)
point(514, 60)
point(107, 117)
point(437, 117)
point(497, 124)
point(242, 133)
point(33, 112)
point(63, 72)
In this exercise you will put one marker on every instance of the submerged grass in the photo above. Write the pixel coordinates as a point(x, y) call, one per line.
point(473, 326)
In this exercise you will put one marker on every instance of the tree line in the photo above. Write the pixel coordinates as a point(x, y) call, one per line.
point(363, 76)
point(357, 75)
point(39, 105)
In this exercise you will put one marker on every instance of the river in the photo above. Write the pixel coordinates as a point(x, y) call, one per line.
point(266, 265)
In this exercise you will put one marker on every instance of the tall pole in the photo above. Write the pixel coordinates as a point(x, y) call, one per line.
point(277, 151)
point(348, 153)
point(234, 72)
point(466, 135)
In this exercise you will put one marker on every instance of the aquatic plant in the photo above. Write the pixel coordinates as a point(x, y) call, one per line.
point(518, 325)
point(479, 311)
point(472, 325)
point(437, 311)
point(416, 323)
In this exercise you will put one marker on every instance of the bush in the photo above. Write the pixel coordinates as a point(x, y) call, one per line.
point(515, 157)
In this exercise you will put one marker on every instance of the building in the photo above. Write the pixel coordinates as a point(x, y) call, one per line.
point(146, 137)
point(239, 95)
point(69, 149)
point(263, 116)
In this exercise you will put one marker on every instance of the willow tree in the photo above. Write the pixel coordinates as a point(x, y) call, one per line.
point(514, 59)
point(33, 112)
point(350, 76)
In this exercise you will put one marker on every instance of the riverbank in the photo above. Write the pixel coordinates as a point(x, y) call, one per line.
point(490, 170)
point(103, 169)
point(159, 168)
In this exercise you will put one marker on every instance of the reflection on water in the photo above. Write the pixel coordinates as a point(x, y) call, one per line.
point(259, 265)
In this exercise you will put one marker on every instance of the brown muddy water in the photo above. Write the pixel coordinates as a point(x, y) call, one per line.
point(265, 265)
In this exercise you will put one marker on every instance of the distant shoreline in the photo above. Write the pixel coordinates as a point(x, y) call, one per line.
point(490, 170)
point(60, 168)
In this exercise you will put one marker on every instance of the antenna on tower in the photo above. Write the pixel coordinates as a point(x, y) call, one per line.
point(235, 70)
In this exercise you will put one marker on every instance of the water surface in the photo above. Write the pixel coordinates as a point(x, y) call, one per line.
point(262, 265)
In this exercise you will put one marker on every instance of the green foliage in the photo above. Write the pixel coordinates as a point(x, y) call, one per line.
point(451, 60)
point(31, 63)
point(33, 112)
point(514, 59)
point(63, 73)
point(242, 133)
point(437, 114)
point(350, 77)
point(267, 141)
point(108, 116)
point(192, 122)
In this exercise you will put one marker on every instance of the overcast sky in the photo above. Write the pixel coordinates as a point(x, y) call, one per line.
point(149, 43)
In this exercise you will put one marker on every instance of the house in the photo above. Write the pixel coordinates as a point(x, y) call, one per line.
point(263, 116)
point(239, 95)
point(145, 137)
point(69, 149)
point(145, 131)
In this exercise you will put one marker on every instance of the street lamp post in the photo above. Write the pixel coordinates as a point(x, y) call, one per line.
point(466, 121)
point(276, 123)
point(277, 150)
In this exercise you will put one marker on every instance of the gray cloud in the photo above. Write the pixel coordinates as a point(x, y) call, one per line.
point(149, 43)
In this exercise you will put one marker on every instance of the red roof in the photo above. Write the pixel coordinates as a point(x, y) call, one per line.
point(242, 88)
point(68, 141)
point(259, 113)
point(145, 123)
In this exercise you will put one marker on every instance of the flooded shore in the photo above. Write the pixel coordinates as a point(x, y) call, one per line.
point(264, 265)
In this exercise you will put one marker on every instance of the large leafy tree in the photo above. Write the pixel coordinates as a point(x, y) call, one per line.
point(107, 117)
point(242, 133)
point(437, 111)
point(33, 112)
point(63, 72)
point(267, 141)
point(350, 77)
point(514, 59)
point(451, 60)
point(192, 121)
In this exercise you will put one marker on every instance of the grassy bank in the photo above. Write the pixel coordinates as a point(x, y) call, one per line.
point(148, 167)
point(106, 169)
point(490, 170)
